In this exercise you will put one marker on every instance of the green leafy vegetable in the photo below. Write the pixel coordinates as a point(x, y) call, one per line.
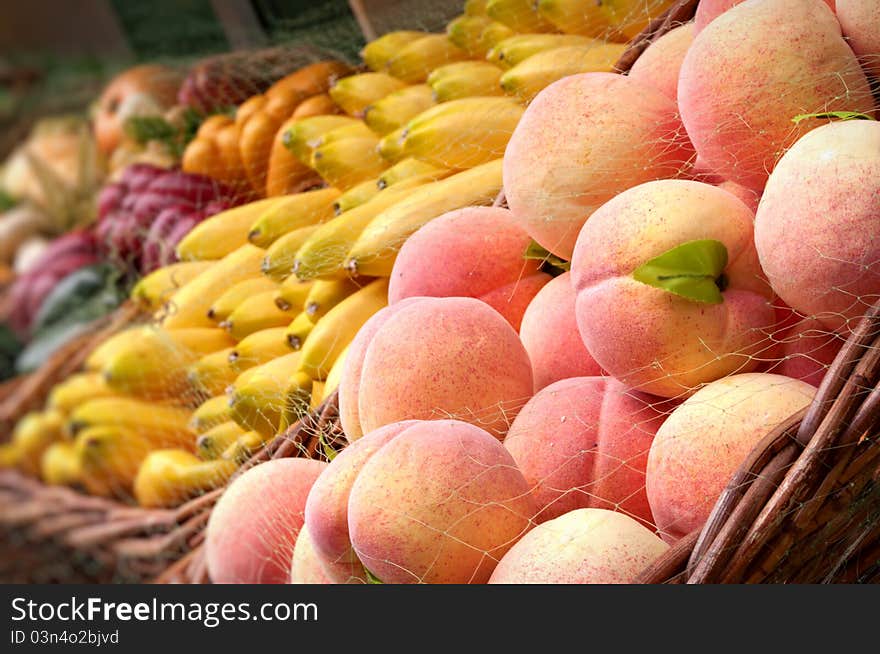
point(6, 201)
point(692, 270)
point(144, 129)
point(839, 115)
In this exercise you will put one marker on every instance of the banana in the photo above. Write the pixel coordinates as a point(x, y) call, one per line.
point(238, 293)
point(121, 340)
point(333, 332)
point(297, 331)
point(518, 15)
point(152, 291)
point(318, 395)
point(32, 435)
point(356, 196)
point(628, 18)
point(355, 93)
point(211, 374)
point(322, 256)
point(210, 413)
point(255, 314)
point(167, 478)
point(391, 145)
point(375, 250)
point(189, 306)
point(245, 445)
point(222, 233)
point(474, 132)
point(299, 210)
point(259, 348)
point(292, 293)
point(327, 294)
point(214, 442)
point(109, 458)
point(76, 389)
point(59, 465)
point(527, 79)
point(387, 114)
point(160, 424)
point(335, 374)
point(154, 365)
point(358, 129)
point(465, 79)
point(297, 398)
point(475, 7)
point(414, 61)
point(304, 131)
point(409, 168)
point(258, 403)
point(345, 164)
point(510, 52)
point(278, 263)
point(378, 52)
point(575, 16)
point(476, 34)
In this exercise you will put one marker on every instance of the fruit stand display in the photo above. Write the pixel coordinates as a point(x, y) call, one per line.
point(568, 293)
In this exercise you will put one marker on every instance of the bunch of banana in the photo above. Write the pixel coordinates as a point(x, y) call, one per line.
point(510, 52)
point(167, 478)
point(355, 93)
point(292, 293)
point(222, 233)
point(109, 458)
point(257, 400)
point(76, 389)
point(391, 145)
point(256, 314)
point(212, 374)
point(409, 169)
point(303, 133)
point(238, 293)
point(210, 414)
point(378, 52)
point(356, 196)
point(346, 162)
point(211, 444)
point(59, 465)
point(297, 331)
point(519, 15)
point(476, 35)
point(295, 211)
point(465, 79)
point(152, 291)
point(395, 109)
point(575, 16)
point(278, 263)
point(260, 347)
point(163, 425)
point(32, 435)
point(415, 61)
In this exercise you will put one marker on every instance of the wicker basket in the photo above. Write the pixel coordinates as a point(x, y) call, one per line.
point(804, 507)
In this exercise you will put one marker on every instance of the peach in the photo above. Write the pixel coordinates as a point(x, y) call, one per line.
point(660, 63)
point(253, 529)
point(472, 252)
point(804, 348)
point(817, 226)
point(749, 196)
point(647, 337)
point(752, 70)
point(550, 335)
point(705, 440)
point(585, 546)
point(309, 566)
point(860, 21)
point(574, 149)
point(708, 10)
point(583, 443)
point(440, 503)
point(444, 358)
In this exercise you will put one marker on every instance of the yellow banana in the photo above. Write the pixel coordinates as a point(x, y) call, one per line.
point(356, 130)
point(409, 168)
point(356, 196)
point(243, 446)
point(335, 374)
point(162, 425)
point(238, 293)
point(109, 458)
point(296, 332)
point(376, 249)
point(215, 441)
point(575, 16)
point(278, 262)
point(297, 398)
point(32, 435)
point(152, 291)
point(303, 132)
point(258, 403)
point(527, 79)
point(121, 340)
point(189, 306)
point(59, 465)
point(477, 34)
point(167, 478)
point(210, 413)
point(379, 51)
point(154, 365)
point(211, 374)
point(299, 210)
point(465, 79)
point(255, 314)
point(222, 233)
point(332, 333)
point(516, 49)
point(518, 15)
point(327, 294)
point(76, 389)
point(475, 7)
point(391, 145)
point(318, 395)
point(259, 348)
point(345, 164)
point(414, 61)
point(292, 293)
point(629, 17)
point(387, 114)
point(355, 93)
point(474, 132)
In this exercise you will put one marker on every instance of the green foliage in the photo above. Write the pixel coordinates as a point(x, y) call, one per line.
point(831, 115)
point(144, 129)
point(692, 270)
point(551, 263)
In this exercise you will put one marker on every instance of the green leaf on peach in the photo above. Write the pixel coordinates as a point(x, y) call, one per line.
point(839, 115)
point(692, 270)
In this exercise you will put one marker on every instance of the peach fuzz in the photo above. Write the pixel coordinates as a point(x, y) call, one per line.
point(574, 149)
point(752, 70)
point(253, 529)
point(709, 10)
point(309, 566)
point(583, 443)
point(648, 338)
point(585, 546)
point(660, 63)
point(816, 230)
point(549, 332)
point(705, 440)
point(860, 21)
point(440, 503)
point(473, 252)
point(444, 358)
